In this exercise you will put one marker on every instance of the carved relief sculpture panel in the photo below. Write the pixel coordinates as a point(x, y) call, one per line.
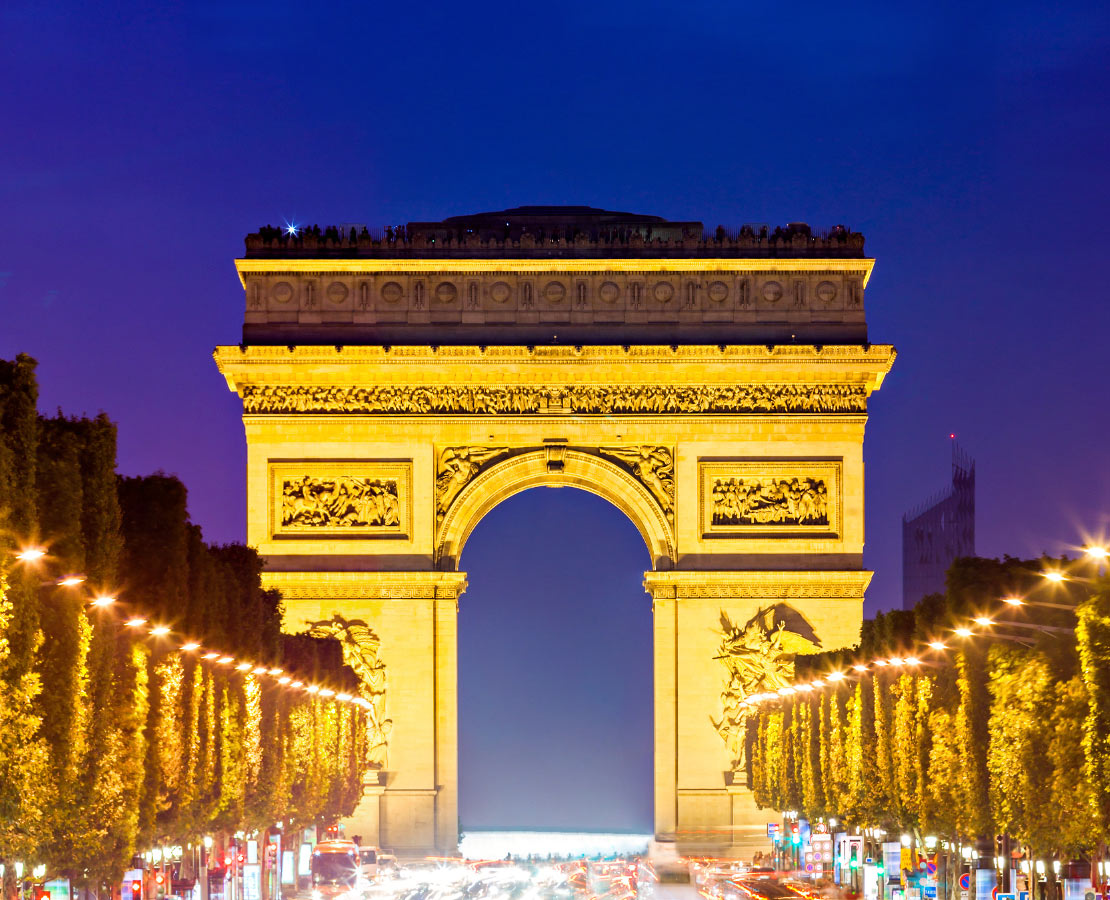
point(788, 498)
point(340, 499)
point(510, 400)
point(758, 657)
point(361, 651)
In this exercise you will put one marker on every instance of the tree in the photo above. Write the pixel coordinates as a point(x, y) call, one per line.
point(1093, 638)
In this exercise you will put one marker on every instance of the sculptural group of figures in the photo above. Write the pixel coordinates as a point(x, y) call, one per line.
point(340, 502)
point(763, 501)
point(759, 657)
point(361, 652)
point(602, 399)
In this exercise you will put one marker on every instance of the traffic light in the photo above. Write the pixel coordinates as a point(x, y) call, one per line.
point(136, 889)
point(42, 893)
point(160, 881)
point(795, 833)
point(880, 869)
point(853, 859)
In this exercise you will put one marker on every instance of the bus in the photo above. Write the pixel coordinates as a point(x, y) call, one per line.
point(336, 869)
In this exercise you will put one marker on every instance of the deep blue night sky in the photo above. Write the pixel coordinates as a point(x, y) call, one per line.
point(968, 142)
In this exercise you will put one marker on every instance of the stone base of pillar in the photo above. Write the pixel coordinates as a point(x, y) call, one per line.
point(365, 824)
point(722, 822)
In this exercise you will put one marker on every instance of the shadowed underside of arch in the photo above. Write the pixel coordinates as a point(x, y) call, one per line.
point(539, 469)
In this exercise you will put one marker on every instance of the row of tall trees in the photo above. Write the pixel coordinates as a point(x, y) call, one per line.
point(992, 736)
point(111, 740)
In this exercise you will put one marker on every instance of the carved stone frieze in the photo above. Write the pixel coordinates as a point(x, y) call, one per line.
point(527, 399)
point(341, 502)
point(653, 467)
point(785, 498)
point(357, 498)
point(770, 501)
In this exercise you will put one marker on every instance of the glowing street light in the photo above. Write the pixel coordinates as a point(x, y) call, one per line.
point(191, 646)
point(160, 630)
point(985, 621)
point(1055, 576)
point(137, 622)
point(30, 554)
point(103, 601)
point(71, 581)
point(938, 645)
point(964, 632)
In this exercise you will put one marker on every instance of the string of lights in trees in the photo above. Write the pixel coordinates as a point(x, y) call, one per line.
point(139, 624)
point(932, 652)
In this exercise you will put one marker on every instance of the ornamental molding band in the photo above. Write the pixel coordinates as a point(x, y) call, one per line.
point(340, 499)
point(879, 356)
point(773, 498)
point(758, 657)
point(354, 587)
point(765, 586)
point(361, 648)
point(486, 400)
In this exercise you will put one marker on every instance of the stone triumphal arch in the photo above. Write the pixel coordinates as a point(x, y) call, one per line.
point(396, 386)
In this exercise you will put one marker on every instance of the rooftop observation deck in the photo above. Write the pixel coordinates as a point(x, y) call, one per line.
point(533, 232)
point(554, 274)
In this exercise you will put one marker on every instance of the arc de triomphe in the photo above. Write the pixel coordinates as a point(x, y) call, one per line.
point(397, 386)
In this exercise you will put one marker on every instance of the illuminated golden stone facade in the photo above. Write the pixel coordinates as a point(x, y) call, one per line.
point(740, 463)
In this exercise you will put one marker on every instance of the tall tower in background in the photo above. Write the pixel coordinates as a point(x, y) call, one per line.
point(938, 532)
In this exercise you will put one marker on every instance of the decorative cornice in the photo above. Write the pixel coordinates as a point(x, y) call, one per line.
point(861, 266)
point(809, 354)
point(757, 585)
point(366, 585)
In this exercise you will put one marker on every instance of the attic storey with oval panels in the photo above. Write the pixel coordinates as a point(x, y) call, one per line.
point(397, 385)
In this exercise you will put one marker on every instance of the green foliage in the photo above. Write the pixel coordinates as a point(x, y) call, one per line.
point(995, 737)
point(1093, 634)
point(111, 742)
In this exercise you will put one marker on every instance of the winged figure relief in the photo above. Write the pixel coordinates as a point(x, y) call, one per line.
point(456, 467)
point(653, 467)
point(361, 652)
point(759, 657)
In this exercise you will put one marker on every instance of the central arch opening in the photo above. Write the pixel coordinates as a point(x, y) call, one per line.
point(555, 668)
